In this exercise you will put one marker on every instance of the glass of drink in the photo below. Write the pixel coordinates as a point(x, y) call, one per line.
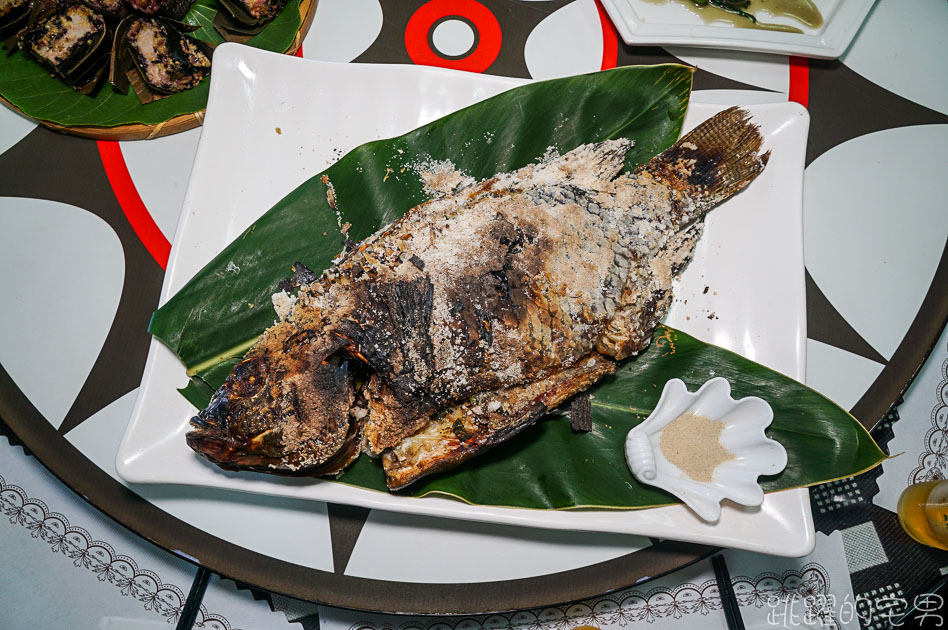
point(923, 512)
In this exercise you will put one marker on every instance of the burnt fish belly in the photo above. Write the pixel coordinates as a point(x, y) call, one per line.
point(478, 311)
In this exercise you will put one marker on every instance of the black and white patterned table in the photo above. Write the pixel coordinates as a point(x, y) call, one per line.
point(85, 230)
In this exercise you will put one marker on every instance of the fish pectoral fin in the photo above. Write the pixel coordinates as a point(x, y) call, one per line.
point(465, 430)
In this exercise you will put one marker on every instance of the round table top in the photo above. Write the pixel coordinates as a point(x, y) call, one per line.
point(87, 227)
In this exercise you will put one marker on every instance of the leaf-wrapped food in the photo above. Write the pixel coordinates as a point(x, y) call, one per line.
point(72, 41)
point(14, 15)
point(169, 61)
point(32, 89)
point(253, 12)
point(111, 9)
point(173, 9)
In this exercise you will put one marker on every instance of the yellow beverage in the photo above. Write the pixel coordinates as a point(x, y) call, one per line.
point(923, 513)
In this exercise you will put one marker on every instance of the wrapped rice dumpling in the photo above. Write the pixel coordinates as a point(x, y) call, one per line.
point(72, 41)
point(169, 61)
point(174, 9)
point(108, 8)
point(253, 12)
point(13, 16)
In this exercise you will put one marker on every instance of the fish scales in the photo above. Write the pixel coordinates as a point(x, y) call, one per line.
point(477, 311)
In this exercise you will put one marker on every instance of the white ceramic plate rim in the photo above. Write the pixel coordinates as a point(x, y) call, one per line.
point(829, 42)
point(153, 449)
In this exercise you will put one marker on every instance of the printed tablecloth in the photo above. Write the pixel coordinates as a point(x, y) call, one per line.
point(86, 231)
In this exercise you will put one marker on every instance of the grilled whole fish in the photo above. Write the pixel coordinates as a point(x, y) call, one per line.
point(478, 311)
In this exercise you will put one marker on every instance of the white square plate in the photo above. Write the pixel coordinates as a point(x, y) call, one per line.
point(274, 121)
point(642, 22)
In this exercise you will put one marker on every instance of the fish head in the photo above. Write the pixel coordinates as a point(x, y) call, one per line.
point(284, 412)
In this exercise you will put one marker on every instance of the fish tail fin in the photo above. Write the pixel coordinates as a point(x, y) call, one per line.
point(714, 161)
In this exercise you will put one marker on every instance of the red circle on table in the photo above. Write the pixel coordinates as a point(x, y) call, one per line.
point(488, 34)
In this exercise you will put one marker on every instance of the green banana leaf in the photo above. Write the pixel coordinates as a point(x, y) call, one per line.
point(548, 466)
point(210, 323)
point(30, 87)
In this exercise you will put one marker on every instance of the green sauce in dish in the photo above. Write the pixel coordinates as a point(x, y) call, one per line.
point(743, 13)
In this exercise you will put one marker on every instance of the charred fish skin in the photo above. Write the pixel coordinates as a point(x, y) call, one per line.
point(487, 305)
point(284, 408)
point(523, 279)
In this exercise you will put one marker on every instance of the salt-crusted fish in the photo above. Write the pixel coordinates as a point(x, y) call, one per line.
point(477, 312)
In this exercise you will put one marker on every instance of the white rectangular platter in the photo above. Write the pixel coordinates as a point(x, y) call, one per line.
point(274, 121)
point(648, 22)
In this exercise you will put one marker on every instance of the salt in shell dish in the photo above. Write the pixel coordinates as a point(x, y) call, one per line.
point(743, 436)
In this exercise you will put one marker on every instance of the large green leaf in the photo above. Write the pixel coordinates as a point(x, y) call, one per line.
point(550, 467)
point(31, 88)
point(209, 322)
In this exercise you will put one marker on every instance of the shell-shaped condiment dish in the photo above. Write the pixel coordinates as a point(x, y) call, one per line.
point(743, 436)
